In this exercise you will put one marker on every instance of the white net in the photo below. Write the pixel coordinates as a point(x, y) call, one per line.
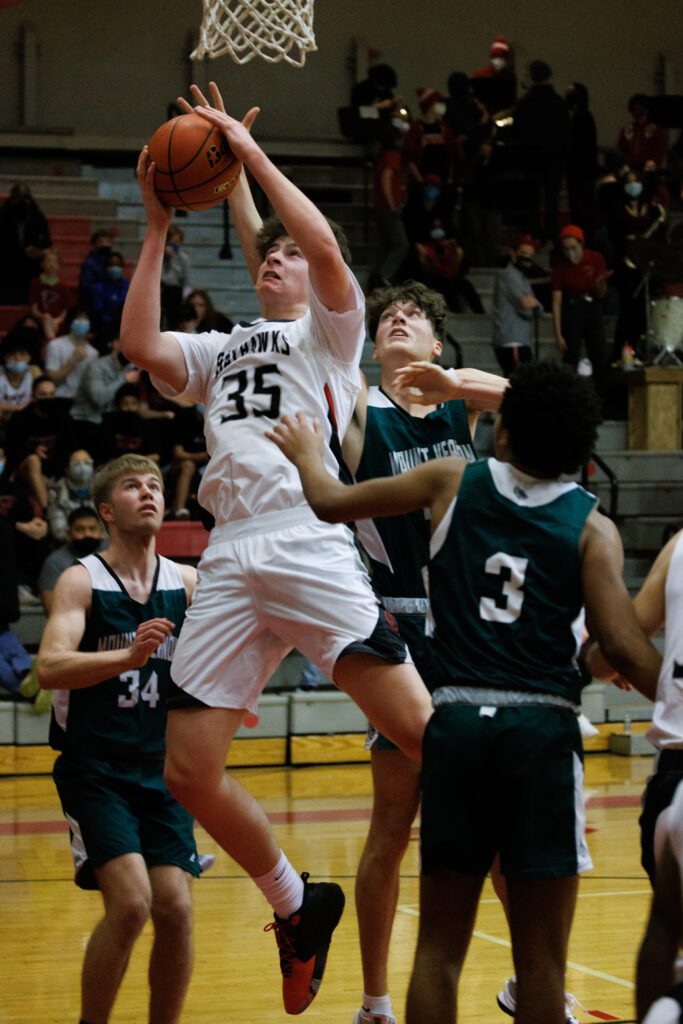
point(272, 29)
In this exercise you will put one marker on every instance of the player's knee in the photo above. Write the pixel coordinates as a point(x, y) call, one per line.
point(173, 913)
point(184, 781)
point(128, 915)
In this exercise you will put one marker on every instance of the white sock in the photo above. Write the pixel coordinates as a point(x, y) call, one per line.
point(282, 887)
point(378, 1004)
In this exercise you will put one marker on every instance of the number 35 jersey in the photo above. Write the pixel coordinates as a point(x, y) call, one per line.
point(251, 377)
point(124, 716)
point(505, 583)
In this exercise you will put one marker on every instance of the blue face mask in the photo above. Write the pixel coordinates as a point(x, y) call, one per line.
point(115, 273)
point(431, 192)
point(200, 407)
point(2, 467)
point(80, 328)
point(633, 188)
point(437, 234)
point(16, 366)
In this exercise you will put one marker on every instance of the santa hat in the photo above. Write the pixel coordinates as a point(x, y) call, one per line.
point(573, 231)
point(500, 47)
point(427, 98)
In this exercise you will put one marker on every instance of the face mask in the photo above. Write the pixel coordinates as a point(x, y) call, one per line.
point(44, 405)
point(437, 234)
point(80, 472)
point(431, 192)
point(574, 256)
point(200, 407)
point(524, 263)
point(80, 328)
point(16, 366)
point(400, 125)
point(115, 273)
point(84, 546)
point(633, 188)
point(439, 109)
point(497, 63)
point(2, 467)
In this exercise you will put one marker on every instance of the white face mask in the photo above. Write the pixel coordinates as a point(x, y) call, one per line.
point(574, 255)
point(497, 63)
point(439, 109)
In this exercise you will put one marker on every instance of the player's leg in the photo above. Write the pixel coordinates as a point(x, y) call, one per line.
point(127, 896)
point(170, 964)
point(448, 908)
point(540, 916)
point(393, 697)
point(396, 795)
point(197, 743)
point(306, 914)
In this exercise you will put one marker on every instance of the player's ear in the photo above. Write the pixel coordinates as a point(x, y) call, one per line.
point(437, 348)
point(374, 352)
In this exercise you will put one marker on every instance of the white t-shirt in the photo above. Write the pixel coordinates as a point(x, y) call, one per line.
point(59, 352)
point(251, 377)
point(666, 731)
point(19, 395)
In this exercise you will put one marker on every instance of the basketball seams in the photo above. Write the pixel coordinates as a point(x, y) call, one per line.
point(169, 184)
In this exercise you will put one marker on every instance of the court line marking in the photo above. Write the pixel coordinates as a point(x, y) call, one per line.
point(506, 942)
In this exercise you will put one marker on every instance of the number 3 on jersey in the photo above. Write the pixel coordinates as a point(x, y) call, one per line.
point(149, 692)
point(240, 388)
point(507, 607)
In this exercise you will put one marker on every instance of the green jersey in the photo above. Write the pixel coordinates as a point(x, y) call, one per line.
point(505, 584)
point(395, 441)
point(124, 716)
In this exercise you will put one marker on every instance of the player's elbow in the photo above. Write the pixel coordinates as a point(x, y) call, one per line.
point(617, 647)
point(45, 673)
point(327, 511)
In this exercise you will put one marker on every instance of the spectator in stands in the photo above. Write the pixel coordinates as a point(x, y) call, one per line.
point(97, 389)
point(579, 283)
point(377, 90)
point(471, 125)
point(582, 157)
point(187, 318)
point(109, 295)
point(67, 356)
point(189, 457)
point(28, 532)
point(24, 236)
point(429, 146)
point(39, 441)
point(426, 205)
point(443, 266)
point(93, 267)
point(496, 82)
point(388, 197)
point(638, 218)
point(209, 318)
point(125, 431)
point(48, 295)
point(18, 371)
point(175, 278)
point(69, 492)
point(541, 131)
point(83, 536)
point(514, 308)
point(643, 143)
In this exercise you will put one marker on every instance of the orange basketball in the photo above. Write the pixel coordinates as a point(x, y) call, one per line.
point(195, 167)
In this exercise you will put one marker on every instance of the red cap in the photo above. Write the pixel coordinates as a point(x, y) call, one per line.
point(500, 47)
point(526, 240)
point(427, 98)
point(573, 231)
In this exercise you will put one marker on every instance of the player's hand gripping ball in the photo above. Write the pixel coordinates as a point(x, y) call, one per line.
point(195, 167)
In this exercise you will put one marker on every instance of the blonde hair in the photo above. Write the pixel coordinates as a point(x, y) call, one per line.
point(107, 475)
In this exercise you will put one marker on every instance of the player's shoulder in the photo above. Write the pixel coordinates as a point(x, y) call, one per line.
point(73, 587)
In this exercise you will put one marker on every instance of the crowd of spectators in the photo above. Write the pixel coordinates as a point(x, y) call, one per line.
point(70, 401)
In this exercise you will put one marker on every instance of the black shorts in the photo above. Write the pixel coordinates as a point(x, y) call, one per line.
point(658, 794)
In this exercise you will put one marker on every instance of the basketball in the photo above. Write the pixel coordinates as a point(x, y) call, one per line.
point(195, 168)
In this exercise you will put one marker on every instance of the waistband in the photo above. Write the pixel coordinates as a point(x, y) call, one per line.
point(406, 605)
point(670, 760)
point(489, 696)
point(267, 522)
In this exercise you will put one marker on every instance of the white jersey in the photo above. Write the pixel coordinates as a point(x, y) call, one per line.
point(666, 731)
point(19, 395)
point(251, 377)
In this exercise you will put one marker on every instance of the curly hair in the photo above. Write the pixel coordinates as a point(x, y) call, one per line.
point(551, 415)
point(273, 228)
point(432, 304)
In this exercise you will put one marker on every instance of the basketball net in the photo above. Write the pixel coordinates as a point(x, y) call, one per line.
point(272, 29)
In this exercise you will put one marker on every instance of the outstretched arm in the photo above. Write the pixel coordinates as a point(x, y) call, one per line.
point(61, 665)
point(303, 220)
point(431, 485)
point(482, 391)
point(141, 340)
point(245, 216)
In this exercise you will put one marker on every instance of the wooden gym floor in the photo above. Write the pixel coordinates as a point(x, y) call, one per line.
point(320, 816)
